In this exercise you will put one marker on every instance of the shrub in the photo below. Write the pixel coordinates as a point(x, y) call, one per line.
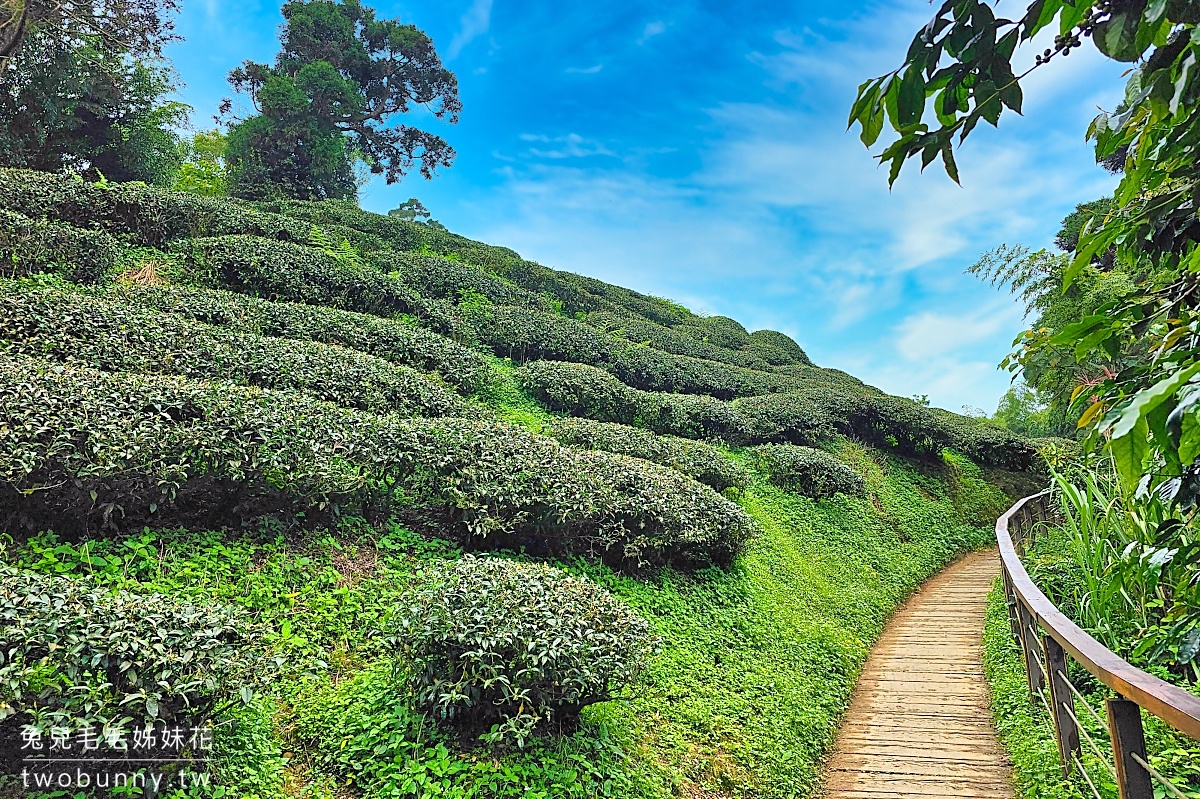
point(525, 335)
point(777, 349)
point(719, 330)
point(444, 279)
point(391, 339)
point(695, 459)
point(28, 246)
point(81, 450)
point(807, 471)
point(507, 647)
point(592, 393)
point(119, 336)
point(66, 649)
point(145, 215)
point(638, 330)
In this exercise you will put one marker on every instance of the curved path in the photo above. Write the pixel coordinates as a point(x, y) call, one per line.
point(919, 724)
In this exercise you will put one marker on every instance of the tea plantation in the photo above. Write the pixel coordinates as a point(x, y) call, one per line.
point(401, 514)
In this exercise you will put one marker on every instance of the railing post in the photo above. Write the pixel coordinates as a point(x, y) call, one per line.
point(1062, 702)
point(1010, 601)
point(1128, 739)
point(1032, 670)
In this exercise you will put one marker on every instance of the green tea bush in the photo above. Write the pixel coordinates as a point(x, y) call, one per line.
point(525, 335)
point(82, 450)
point(72, 652)
point(28, 246)
point(777, 348)
point(807, 471)
point(695, 459)
point(391, 339)
point(123, 337)
point(444, 279)
point(718, 330)
point(506, 648)
point(639, 330)
point(581, 390)
point(282, 271)
point(144, 215)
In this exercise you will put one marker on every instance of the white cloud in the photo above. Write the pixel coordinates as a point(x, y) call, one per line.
point(651, 30)
point(570, 146)
point(592, 70)
point(474, 23)
point(932, 334)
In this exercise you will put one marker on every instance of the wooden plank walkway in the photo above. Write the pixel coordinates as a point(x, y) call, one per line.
point(919, 724)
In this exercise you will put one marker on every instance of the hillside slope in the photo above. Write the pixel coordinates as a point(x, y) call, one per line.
point(291, 412)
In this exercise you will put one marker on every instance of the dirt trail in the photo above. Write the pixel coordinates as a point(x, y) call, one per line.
point(920, 724)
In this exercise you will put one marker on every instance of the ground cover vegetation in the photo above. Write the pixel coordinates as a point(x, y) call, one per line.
point(432, 562)
point(1113, 356)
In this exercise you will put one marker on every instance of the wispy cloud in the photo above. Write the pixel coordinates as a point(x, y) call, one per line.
point(570, 146)
point(651, 30)
point(592, 70)
point(474, 23)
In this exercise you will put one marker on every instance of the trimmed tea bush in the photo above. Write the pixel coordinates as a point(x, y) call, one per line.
point(718, 330)
point(777, 348)
point(83, 450)
point(638, 330)
point(807, 471)
point(116, 336)
point(277, 270)
point(695, 459)
point(144, 215)
point(580, 390)
point(28, 246)
point(508, 649)
point(444, 279)
point(391, 339)
point(71, 652)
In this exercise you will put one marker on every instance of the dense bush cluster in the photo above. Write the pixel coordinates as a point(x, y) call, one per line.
point(639, 330)
point(33, 245)
point(72, 652)
point(140, 214)
point(504, 648)
point(392, 339)
point(440, 278)
point(82, 450)
point(777, 349)
point(695, 459)
point(720, 331)
point(807, 471)
point(585, 391)
point(526, 335)
point(880, 420)
point(121, 336)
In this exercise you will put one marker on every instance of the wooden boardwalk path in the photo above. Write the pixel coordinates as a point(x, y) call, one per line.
point(919, 724)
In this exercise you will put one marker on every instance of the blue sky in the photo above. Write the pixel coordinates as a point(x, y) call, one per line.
point(697, 150)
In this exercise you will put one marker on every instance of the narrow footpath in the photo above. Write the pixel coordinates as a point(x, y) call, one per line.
point(919, 724)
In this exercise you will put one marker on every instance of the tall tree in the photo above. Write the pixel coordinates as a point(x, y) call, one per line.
point(340, 77)
point(1144, 405)
point(83, 87)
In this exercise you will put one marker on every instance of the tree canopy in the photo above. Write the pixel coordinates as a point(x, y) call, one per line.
point(83, 87)
point(1138, 346)
point(339, 78)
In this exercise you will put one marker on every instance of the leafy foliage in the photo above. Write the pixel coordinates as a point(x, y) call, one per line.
point(808, 471)
point(166, 451)
point(695, 459)
point(115, 336)
point(391, 339)
point(202, 164)
point(339, 75)
point(504, 647)
point(72, 652)
point(28, 246)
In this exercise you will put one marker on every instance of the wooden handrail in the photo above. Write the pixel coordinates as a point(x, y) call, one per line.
point(1170, 703)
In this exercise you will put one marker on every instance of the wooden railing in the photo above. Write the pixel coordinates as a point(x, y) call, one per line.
point(1047, 639)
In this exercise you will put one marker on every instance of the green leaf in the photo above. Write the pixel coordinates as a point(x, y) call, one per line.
point(911, 98)
point(948, 161)
point(1129, 454)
